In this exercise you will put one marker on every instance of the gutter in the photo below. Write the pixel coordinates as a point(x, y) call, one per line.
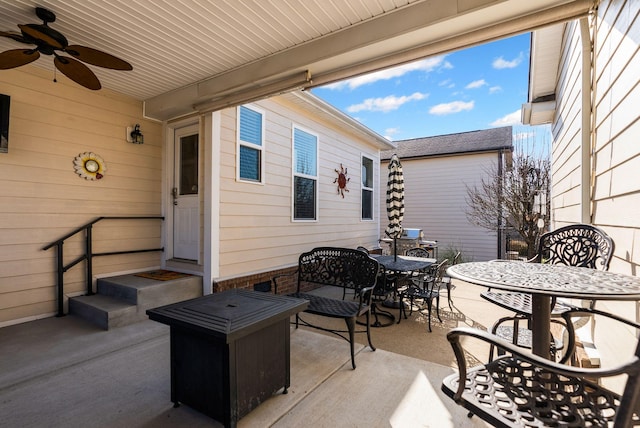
point(588, 118)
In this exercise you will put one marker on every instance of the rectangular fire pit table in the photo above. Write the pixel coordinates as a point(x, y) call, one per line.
point(229, 350)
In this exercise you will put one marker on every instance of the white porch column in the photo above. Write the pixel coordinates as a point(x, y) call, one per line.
point(210, 130)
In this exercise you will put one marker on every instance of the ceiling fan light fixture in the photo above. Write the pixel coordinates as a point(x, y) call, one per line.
point(47, 41)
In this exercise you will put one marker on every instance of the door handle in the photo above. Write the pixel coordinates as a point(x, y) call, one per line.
point(174, 192)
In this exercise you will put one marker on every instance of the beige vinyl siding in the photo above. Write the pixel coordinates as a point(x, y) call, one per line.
point(616, 194)
point(617, 165)
point(616, 153)
point(435, 201)
point(256, 228)
point(42, 198)
point(566, 169)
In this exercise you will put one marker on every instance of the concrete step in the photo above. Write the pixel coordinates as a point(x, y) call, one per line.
point(104, 311)
point(124, 299)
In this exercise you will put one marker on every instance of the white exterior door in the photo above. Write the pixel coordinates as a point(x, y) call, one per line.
point(186, 203)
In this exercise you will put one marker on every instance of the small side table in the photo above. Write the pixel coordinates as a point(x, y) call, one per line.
point(230, 351)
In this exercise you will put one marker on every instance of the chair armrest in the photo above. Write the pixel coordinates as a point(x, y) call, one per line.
point(279, 277)
point(366, 294)
point(632, 366)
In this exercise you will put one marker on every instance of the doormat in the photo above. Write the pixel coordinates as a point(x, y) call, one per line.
point(162, 275)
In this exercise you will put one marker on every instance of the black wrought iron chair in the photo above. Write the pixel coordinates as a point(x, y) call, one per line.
point(574, 245)
point(363, 249)
point(383, 290)
point(424, 288)
point(414, 252)
point(446, 279)
point(525, 390)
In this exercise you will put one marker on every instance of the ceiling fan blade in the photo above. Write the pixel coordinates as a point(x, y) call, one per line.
point(17, 57)
point(13, 35)
point(77, 71)
point(96, 57)
point(44, 34)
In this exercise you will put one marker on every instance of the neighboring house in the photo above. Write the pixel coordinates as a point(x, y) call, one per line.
point(247, 203)
point(585, 81)
point(437, 171)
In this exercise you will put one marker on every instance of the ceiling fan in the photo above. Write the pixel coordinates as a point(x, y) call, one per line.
point(48, 41)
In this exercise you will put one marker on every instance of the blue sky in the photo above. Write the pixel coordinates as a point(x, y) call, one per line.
point(467, 90)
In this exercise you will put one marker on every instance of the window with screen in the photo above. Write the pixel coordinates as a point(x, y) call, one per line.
point(367, 188)
point(305, 175)
point(250, 144)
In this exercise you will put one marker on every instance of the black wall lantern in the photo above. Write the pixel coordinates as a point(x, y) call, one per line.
point(135, 136)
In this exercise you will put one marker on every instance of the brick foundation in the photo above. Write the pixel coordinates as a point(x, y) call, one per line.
point(286, 285)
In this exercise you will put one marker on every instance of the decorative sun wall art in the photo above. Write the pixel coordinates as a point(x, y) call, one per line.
point(89, 166)
point(342, 180)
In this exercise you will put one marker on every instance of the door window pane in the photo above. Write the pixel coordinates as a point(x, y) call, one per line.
point(189, 165)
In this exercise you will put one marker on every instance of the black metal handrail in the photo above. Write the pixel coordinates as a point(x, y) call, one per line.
point(88, 255)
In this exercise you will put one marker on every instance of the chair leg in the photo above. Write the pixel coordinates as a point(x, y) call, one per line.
point(449, 295)
point(373, 348)
point(401, 310)
point(351, 326)
point(429, 304)
point(438, 308)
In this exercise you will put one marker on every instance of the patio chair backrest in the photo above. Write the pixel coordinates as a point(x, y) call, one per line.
point(581, 245)
point(440, 271)
point(417, 252)
point(342, 267)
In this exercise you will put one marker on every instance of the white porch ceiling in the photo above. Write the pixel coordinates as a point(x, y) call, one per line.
point(192, 52)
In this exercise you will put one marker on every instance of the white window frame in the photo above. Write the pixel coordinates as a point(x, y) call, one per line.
point(261, 148)
point(372, 189)
point(294, 174)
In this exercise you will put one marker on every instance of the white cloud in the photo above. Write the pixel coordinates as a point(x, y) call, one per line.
point(510, 119)
point(447, 84)
point(523, 136)
point(501, 63)
point(476, 84)
point(390, 132)
point(495, 89)
point(385, 104)
point(426, 65)
point(452, 107)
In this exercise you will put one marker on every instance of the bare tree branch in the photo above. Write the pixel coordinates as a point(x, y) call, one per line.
point(518, 198)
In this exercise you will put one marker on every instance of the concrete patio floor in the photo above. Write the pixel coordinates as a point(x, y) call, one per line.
point(65, 372)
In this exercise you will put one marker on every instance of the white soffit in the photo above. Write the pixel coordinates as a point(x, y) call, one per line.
point(545, 60)
point(543, 75)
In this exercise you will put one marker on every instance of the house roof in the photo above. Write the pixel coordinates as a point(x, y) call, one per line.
point(321, 109)
point(486, 140)
point(189, 57)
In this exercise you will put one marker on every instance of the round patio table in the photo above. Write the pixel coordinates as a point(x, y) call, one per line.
point(398, 267)
point(544, 281)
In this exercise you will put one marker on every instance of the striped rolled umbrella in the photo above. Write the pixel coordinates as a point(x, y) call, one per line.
point(395, 201)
